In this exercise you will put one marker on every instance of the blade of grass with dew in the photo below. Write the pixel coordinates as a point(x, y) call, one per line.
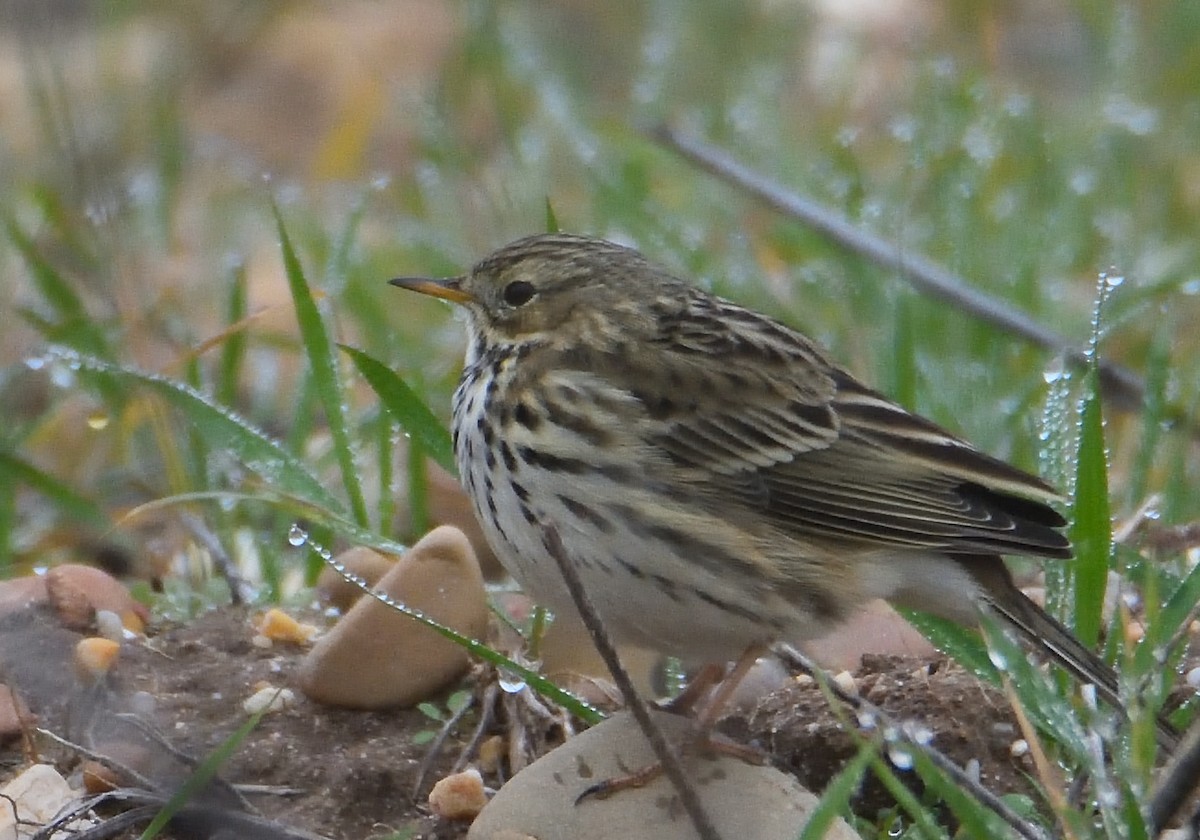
point(924, 820)
point(1153, 417)
point(532, 678)
point(835, 799)
point(221, 428)
point(75, 325)
point(960, 643)
point(204, 773)
point(15, 470)
point(1091, 529)
point(418, 488)
point(1044, 700)
point(323, 367)
point(974, 818)
point(233, 349)
point(408, 408)
point(383, 425)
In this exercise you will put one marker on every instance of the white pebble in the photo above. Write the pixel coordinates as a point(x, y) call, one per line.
point(1018, 748)
point(270, 699)
point(846, 682)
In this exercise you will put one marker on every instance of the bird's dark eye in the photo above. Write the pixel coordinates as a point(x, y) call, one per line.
point(519, 293)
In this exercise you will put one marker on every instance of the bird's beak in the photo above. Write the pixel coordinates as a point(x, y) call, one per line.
point(450, 289)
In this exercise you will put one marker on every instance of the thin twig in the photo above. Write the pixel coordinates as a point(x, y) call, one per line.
point(240, 590)
point(487, 709)
point(1124, 387)
point(663, 750)
point(960, 776)
point(435, 746)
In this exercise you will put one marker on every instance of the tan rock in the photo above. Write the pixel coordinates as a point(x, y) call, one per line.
point(459, 796)
point(376, 658)
point(95, 656)
point(19, 593)
point(368, 564)
point(76, 592)
point(747, 801)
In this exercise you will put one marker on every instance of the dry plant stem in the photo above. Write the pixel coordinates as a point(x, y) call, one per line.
point(1049, 774)
point(103, 760)
point(1125, 388)
point(1022, 827)
point(486, 713)
point(1176, 784)
point(435, 746)
point(666, 754)
point(239, 590)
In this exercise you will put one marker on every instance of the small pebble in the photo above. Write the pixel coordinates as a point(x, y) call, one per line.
point(95, 657)
point(846, 682)
point(1193, 678)
point(110, 626)
point(270, 699)
point(458, 797)
point(278, 626)
point(1018, 748)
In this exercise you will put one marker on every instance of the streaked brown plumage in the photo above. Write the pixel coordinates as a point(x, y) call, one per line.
point(718, 481)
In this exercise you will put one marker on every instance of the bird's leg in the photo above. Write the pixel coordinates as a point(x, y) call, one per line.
point(685, 702)
point(701, 740)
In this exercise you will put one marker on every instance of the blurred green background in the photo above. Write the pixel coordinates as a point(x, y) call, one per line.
point(1028, 146)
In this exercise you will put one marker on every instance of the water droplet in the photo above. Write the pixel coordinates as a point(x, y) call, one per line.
point(297, 536)
point(896, 828)
point(62, 375)
point(901, 757)
point(97, 420)
point(998, 659)
point(509, 681)
point(35, 362)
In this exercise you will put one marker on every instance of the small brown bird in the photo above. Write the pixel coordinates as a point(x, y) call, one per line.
point(719, 483)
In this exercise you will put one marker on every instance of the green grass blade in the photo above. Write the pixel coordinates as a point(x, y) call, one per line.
point(233, 349)
point(221, 428)
point(835, 799)
point(532, 678)
point(1091, 529)
point(552, 225)
point(74, 326)
point(204, 773)
point(14, 470)
point(408, 408)
point(323, 365)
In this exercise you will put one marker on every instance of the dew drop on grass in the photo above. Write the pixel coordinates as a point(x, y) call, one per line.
point(900, 756)
point(297, 536)
point(509, 681)
point(896, 829)
point(998, 659)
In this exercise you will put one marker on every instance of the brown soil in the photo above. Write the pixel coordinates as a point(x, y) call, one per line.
point(351, 774)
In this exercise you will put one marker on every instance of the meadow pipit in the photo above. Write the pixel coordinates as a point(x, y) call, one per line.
point(719, 482)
